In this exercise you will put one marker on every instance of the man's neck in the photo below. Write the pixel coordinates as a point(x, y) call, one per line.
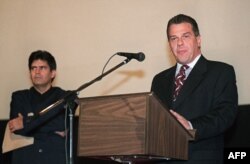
point(42, 89)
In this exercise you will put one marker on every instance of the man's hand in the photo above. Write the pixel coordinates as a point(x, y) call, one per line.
point(181, 119)
point(61, 133)
point(16, 123)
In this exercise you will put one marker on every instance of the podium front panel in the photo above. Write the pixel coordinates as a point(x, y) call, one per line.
point(130, 124)
point(112, 125)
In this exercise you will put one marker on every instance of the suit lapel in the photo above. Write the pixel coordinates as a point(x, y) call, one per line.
point(193, 80)
point(170, 87)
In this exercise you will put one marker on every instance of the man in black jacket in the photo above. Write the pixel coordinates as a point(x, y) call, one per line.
point(204, 97)
point(49, 130)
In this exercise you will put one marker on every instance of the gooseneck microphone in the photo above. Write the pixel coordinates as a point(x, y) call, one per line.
point(138, 56)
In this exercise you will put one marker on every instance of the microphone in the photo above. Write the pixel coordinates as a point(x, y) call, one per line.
point(138, 56)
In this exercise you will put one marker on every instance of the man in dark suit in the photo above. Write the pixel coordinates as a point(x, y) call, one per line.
point(49, 130)
point(205, 99)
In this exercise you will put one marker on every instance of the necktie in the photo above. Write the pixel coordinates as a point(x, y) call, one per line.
point(179, 80)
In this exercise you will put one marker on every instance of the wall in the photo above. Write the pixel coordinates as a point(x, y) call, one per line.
point(83, 34)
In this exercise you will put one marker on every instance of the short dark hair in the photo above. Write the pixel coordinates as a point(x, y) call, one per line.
point(42, 55)
point(181, 18)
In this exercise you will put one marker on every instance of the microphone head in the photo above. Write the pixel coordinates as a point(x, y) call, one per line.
point(140, 57)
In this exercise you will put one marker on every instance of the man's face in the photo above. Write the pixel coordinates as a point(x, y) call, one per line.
point(40, 74)
point(184, 45)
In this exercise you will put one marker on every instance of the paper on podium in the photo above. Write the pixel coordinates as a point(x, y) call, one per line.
point(13, 141)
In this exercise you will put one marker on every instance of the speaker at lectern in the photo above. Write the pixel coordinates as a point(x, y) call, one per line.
point(136, 125)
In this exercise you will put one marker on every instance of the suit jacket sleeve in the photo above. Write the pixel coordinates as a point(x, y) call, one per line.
point(223, 108)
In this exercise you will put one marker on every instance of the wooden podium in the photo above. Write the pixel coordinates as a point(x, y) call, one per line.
point(130, 125)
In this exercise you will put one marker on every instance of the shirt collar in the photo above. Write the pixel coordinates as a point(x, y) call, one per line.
point(191, 65)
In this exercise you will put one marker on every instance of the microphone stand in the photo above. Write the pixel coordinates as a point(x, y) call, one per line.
point(102, 75)
point(70, 97)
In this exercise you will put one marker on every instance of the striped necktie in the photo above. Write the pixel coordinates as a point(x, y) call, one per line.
point(179, 80)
